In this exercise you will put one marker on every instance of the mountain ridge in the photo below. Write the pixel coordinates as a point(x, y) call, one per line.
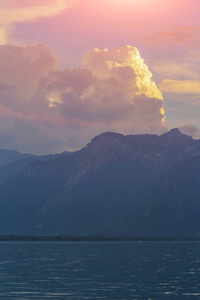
point(97, 190)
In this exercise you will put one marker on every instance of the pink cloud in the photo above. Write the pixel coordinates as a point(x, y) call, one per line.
point(24, 3)
point(185, 35)
point(112, 90)
point(103, 23)
point(20, 11)
point(191, 130)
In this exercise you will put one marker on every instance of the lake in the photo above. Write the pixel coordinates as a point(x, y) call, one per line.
point(100, 270)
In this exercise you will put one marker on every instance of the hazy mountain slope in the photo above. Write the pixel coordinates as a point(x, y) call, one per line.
point(15, 167)
point(172, 205)
point(100, 202)
point(23, 195)
point(7, 156)
point(95, 191)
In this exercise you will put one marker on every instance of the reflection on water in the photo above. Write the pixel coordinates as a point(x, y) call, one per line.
point(101, 270)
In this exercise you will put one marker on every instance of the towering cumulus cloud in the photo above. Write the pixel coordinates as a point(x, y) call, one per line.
point(51, 109)
point(126, 66)
point(128, 80)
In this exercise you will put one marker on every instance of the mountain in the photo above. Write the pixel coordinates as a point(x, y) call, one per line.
point(172, 206)
point(8, 156)
point(100, 190)
point(24, 160)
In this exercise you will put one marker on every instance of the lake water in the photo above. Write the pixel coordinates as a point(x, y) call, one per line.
point(100, 270)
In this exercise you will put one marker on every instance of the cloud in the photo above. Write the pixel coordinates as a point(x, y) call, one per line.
point(184, 35)
point(116, 90)
point(46, 109)
point(184, 67)
point(23, 11)
point(21, 71)
point(110, 64)
point(180, 86)
point(177, 70)
point(191, 130)
point(14, 11)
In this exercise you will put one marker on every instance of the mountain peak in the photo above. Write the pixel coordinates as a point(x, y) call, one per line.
point(107, 136)
point(173, 131)
point(174, 134)
point(114, 186)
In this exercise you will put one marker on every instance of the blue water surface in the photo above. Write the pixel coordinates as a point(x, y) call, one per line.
point(100, 270)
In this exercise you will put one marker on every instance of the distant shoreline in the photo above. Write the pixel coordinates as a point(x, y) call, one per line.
point(58, 238)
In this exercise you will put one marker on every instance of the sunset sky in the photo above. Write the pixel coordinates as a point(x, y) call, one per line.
point(71, 69)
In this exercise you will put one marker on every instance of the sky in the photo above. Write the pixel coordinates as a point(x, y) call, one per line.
point(72, 69)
